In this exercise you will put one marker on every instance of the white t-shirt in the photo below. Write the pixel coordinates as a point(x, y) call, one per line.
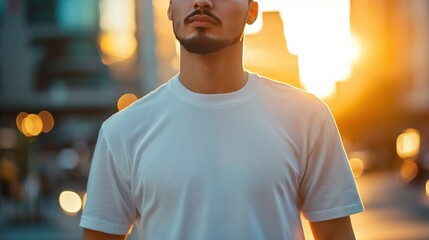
point(241, 165)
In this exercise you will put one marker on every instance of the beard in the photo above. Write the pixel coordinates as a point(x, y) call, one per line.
point(203, 44)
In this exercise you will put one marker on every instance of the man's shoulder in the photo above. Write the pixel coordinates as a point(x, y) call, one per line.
point(140, 110)
point(284, 93)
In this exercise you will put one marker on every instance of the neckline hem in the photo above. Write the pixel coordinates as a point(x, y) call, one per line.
point(214, 100)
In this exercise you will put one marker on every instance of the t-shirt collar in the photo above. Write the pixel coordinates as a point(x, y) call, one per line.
point(214, 100)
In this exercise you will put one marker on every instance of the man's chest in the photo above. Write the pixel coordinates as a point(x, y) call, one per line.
point(227, 156)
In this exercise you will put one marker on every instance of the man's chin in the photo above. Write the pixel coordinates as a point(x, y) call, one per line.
point(200, 44)
point(203, 47)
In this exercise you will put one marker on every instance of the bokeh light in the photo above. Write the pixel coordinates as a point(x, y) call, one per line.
point(126, 100)
point(48, 121)
point(408, 171)
point(32, 125)
point(19, 119)
point(117, 47)
point(70, 202)
point(357, 166)
point(408, 143)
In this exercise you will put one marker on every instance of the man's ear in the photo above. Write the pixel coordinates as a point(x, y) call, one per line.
point(169, 11)
point(252, 15)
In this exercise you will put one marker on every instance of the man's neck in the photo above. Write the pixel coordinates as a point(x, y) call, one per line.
point(219, 72)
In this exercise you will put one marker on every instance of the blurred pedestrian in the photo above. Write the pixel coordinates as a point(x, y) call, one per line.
point(219, 152)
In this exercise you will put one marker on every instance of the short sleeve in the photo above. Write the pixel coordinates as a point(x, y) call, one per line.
point(328, 189)
point(109, 207)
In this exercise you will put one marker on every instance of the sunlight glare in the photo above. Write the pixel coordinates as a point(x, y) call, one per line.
point(264, 6)
point(355, 49)
point(256, 27)
point(318, 32)
point(315, 77)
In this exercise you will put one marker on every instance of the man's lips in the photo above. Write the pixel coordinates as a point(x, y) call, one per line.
point(202, 16)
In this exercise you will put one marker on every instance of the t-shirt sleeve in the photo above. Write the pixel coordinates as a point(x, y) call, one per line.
point(328, 189)
point(109, 207)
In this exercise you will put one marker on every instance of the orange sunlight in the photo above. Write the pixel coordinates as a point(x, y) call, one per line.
point(318, 32)
point(118, 28)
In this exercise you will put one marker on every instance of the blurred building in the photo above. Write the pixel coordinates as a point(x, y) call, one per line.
point(50, 60)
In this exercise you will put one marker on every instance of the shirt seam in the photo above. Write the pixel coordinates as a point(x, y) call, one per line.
point(97, 224)
point(332, 213)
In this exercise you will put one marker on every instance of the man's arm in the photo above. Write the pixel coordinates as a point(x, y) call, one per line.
point(89, 234)
point(339, 228)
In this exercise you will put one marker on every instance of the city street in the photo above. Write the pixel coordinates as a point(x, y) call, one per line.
point(394, 211)
point(68, 67)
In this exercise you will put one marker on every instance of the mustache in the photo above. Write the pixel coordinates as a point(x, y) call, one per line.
point(202, 12)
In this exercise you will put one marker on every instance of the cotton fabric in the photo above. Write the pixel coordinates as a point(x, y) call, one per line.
point(240, 165)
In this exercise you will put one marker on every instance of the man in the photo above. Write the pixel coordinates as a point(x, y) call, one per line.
point(218, 152)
